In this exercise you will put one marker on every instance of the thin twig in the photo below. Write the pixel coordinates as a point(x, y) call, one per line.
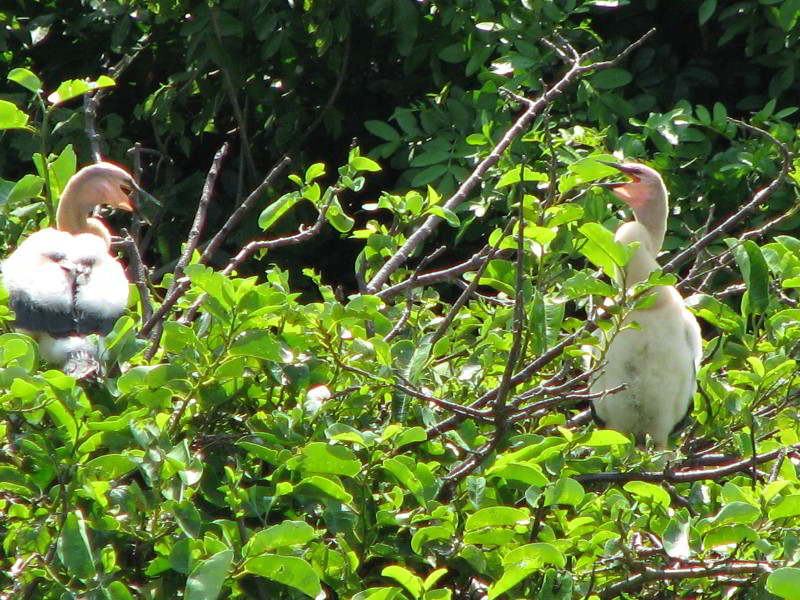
point(136, 272)
point(202, 210)
point(230, 89)
point(431, 223)
point(253, 247)
point(473, 285)
point(337, 87)
point(516, 345)
point(398, 327)
point(90, 121)
point(758, 199)
point(448, 274)
point(215, 243)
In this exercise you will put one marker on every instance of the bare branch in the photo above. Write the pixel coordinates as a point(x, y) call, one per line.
point(758, 199)
point(519, 319)
point(239, 214)
point(467, 293)
point(253, 247)
point(215, 243)
point(136, 272)
point(521, 377)
point(432, 222)
point(398, 327)
point(301, 236)
point(202, 210)
point(670, 475)
point(447, 274)
point(90, 121)
point(691, 571)
point(230, 89)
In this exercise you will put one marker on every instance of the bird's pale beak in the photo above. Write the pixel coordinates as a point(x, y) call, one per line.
point(619, 167)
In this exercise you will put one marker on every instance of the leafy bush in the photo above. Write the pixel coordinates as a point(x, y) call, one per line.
point(411, 423)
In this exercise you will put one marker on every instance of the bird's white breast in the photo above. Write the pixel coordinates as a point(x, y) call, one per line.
point(657, 361)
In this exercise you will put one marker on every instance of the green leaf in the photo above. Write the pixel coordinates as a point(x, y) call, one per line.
point(63, 419)
point(605, 437)
point(26, 79)
point(715, 312)
point(429, 175)
point(564, 491)
point(787, 506)
point(411, 435)
point(429, 534)
point(736, 512)
point(328, 459)
point(406, 478)
point(337, 217)
point(277, 209)
point(705, 11)
point(77, 87)
point(258, 344)
point(60, 170)
point(325, 487)
point(177, 338)
point(530, 474)
point(784, 582)
point(608, 79)
point(676, 538)
point(406, 578)
point(382, 130)
point(512, 176)
point(754, 271)
point(383, 593)
point(288, 570)
point(521, 562)
point(287, 533)
point(446, 214)
point(601, 249)
point(728, 535)
point(497, 516)
point(362, 163)
point(188, 518)
point(581, 284)
point(111, 466)
point(27, 188)
point(11, 117)
point(74, 549)
point(648, 491)
point(208, 576)
point(314, 171)
point(116, 590)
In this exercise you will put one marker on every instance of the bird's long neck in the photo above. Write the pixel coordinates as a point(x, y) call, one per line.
point(643, 262)
point(78, 199)
point(651, 213)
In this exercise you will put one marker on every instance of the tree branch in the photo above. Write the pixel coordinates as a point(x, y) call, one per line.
point(758, 199)
point(216, 242)
point(533, 108)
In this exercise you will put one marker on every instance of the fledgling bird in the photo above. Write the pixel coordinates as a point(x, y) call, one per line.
point(63, 284)
point(659, 360)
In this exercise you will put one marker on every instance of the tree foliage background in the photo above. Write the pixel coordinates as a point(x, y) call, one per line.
point(352, 365)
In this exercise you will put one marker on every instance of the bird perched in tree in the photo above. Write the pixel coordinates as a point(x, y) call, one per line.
point(658, 360)
point(63, 283)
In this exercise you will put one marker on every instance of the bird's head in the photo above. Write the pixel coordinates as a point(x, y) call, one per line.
point(98, 184)
point(644, 188)
point(104, 183)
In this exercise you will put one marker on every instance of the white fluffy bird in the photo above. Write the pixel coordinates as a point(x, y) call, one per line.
point(63, 283)
point(659, 360)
